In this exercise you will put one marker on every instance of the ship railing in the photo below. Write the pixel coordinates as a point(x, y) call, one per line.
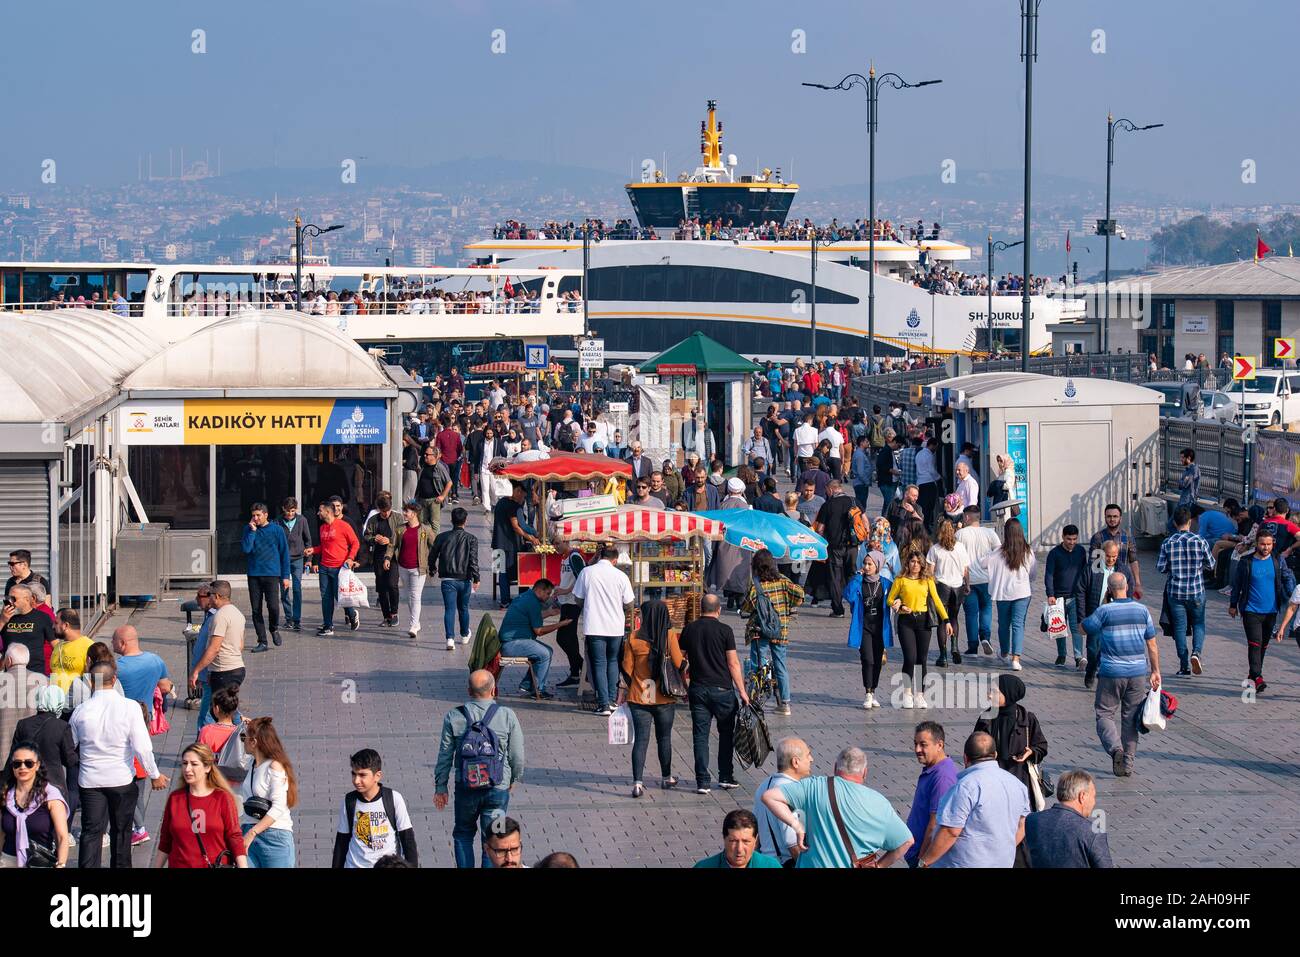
point(486, 307)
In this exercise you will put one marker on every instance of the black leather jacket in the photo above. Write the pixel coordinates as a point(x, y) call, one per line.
point(456, 555)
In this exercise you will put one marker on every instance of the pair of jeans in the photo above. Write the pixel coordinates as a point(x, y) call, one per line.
point(839, 567)
point(1182, 611)
point(536, 652)
point(1076, 633)
point(1011, 625)
point(111, 810)
point(979, 616)
point(475, 812)
point(602, 656)
point(386, 585)
point(567, 637)
point(707, 705)
point(887, 494)
point(455, 604)
point(761, 650)
point(1125, 696)
point(1259, 632)
point(860, 492)
point(291, 598)
point(413, 592)
point(264, 588)
point(643, 716)
point(272, 848)
point(329, 596)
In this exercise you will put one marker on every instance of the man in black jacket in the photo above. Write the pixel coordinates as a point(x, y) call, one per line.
point(433, 487)
point(1260, 607)
point(299, 537)
point(455, 560)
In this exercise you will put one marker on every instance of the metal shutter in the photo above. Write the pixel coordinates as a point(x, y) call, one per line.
point(25, 511)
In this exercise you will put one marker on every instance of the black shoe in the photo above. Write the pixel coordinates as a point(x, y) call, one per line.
point(836, 614)
point(296, 626)
point(703, 789)
point(1090, 683)
point(569, 682)
point(956, 657)
point(1260, 685)
point(260, 646)
point(1183, 673)
point(354, 623)
point(275, 638)
point(324, 632)
point(728, 785)
point(1060, 660)
point(941, 661)
point(1117, 763)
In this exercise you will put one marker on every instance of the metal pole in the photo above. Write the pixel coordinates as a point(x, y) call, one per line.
point(989, 314)
point(1029, 13)
point(297, 247)
point(1110, 160)
point(872, 92)
point(812, 347)
point(586, 263)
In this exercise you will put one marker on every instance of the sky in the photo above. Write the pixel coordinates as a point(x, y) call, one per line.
point(604, 84)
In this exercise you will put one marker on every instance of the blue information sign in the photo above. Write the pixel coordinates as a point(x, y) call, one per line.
point(537, 356)
point(1018, 449)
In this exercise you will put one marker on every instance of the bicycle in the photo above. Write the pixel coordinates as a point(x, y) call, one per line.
point(760, 682)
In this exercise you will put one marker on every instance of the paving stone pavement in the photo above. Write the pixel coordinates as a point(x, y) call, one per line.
point(1216, 789)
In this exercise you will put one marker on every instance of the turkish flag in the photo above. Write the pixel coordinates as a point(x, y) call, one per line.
point(509, 289)
point(1261, 248)
point(1067, 240)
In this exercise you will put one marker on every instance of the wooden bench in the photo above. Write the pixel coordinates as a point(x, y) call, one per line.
point(506, 660)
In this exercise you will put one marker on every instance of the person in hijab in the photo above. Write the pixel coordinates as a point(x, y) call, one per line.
point(882, 540)
point(869, 627)
point(641, 687)
point(730, 569)
point(673, 482)
point(1016, 731)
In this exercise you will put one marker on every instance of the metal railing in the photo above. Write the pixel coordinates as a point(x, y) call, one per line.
point(432, 307)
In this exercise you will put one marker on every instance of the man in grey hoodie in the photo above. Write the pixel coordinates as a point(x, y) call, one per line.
point(299, 536)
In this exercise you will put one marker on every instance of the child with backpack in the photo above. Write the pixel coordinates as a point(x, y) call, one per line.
point(373, 821)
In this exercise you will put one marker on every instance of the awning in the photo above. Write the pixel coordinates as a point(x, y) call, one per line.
point(635, 523)
point(566, 467)
point(510, 368)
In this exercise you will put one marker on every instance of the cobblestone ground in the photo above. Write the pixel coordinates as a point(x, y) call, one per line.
point(1216, 789)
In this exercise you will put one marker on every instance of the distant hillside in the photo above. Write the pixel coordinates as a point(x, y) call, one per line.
point(1202, 240)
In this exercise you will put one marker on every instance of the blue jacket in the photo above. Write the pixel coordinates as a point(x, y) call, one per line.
point(267, 550)
point(1283, 583)
point(853, 598)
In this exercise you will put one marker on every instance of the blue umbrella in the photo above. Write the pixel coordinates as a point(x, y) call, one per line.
point(781, 535)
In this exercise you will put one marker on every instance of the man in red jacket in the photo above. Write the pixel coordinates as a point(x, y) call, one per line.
point(338, 547)
point(812, 382)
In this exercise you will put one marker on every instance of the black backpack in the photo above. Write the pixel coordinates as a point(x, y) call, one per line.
point(390, 809)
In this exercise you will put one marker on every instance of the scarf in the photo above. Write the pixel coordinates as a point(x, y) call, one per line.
point(1004, 724)
point(654, 630)
point(21, 842)
point(879, 559)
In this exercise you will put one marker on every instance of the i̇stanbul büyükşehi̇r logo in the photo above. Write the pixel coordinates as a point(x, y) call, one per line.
point(913, 319)
point(1070, 390)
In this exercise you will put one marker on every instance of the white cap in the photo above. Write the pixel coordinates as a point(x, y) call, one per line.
point(735, 485)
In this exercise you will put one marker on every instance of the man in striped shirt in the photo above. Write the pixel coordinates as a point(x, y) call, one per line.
point(1130, 666)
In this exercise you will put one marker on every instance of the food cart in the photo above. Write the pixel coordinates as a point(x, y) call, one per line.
point(513, 369)
point(572, 470)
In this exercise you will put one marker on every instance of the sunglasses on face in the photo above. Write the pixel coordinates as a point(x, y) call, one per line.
point(19, 763)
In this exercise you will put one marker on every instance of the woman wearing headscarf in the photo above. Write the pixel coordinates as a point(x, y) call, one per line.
point(869, 627)
point(673, 483)
point(729, 572)
point(882, 540)
point(52, 737)
point(1019, 738)
point(640, 686)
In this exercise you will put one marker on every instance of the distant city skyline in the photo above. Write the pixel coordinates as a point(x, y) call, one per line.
point(600, 86)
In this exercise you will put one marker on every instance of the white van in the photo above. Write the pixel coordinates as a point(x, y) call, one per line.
point(1271, 398)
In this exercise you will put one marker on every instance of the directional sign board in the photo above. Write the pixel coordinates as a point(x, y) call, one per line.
point(537, 356)
point(1243, 367)
point(1283, 348)
point(591, 354)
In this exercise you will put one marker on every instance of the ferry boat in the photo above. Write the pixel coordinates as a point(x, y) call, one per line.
point(655, 283)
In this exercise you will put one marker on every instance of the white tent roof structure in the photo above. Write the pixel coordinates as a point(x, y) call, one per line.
point(1020, 390)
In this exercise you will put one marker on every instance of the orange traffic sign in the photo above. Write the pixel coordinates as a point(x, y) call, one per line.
point(1243, 367)
point(1283, 348)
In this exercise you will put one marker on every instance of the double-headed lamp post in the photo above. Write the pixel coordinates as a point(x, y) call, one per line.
point(995, 247)
point(302, 229)
point(1108, 225)
point(871, 83)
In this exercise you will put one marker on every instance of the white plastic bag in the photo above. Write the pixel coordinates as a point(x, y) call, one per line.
point(620, 725)
point(352, 593)
point(1153, 718)
point(1054, 618)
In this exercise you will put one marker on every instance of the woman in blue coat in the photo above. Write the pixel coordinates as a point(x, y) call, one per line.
point(869, 628)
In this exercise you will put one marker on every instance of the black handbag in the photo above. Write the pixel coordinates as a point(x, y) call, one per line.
point(42, 855)
point(256, 807)
point(224, 859)
point(671, 681)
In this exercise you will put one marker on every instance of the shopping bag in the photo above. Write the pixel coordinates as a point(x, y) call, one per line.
point(1054, 619)
point(620, 725)
point(352, 593)
point(1153, 718)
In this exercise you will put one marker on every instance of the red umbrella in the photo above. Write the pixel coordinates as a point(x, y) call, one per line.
point(566, 467)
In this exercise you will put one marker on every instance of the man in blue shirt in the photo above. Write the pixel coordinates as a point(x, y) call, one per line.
point(138, 672)
point(938, 776)
point(1063, 835)
point(1260, 589)
point(1125, 636)
point(1064, 580)
point(267, 549)
point(982, 819)
point(1184, 556)
point(860, 470)
point(520, 630)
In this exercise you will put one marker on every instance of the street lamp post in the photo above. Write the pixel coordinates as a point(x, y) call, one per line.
point(871, 83)
point(816, 243)
point(302, 229)
point(1028, 53)
point(995, 247)
point(1108, 226)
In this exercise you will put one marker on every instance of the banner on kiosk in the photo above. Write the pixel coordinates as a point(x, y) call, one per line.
point(254, 422)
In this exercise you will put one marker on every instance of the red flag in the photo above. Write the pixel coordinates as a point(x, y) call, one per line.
point(1067, 240)
point(1261, 248)
point(509, 289)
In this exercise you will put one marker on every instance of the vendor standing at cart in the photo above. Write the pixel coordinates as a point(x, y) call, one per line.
point(508, 535)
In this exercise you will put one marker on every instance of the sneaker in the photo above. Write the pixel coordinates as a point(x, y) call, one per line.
point(728, 785)
point(296, 626)
point(908, 702)
point(668, 783)
point(324, 632)
point(1226, 592)
point(1006, 660)
point(261, 646)
point(1015, 664)
point(275, 639)
point(1196, 664)
point(986, 647)
point(956, 657)
point(569, 682)
point(72, 841)
point(1183, 673)
point(781, 709)
point(139, 836)
point(941, 661)
point(703, 789)
point(836, 614)
point(451, 644)
point(1060, 661)
point(605, 712)
point(920, 701)
point(637, 789)
point(868, 703)
point(545, 695)
point(875, 702)
point(1080, 664)
point(1260, 685)
point(354, 622)
point(1090, 683)
point(465, 639)
point(1117, 763)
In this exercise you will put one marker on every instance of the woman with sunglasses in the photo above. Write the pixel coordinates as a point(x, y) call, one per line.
point(35, 812)
point(200, 825)
point(268, 831)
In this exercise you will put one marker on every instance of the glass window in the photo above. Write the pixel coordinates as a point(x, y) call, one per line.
point(702, 280)
point(172, 482)
point(655, 282)
point(749, 286)
point(678, 285)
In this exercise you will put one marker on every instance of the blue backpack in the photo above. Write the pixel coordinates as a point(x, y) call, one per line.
point(482, 764)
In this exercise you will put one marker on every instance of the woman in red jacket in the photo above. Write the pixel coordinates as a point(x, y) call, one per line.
point(201, 820)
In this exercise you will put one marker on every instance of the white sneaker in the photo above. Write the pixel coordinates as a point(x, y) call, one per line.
point(920, 701)
point(1005, 659)
point(908, 702)
point(986, 647)
point(875, 702)
point(464, 639)
point(1015, 664)
point(451, 644)
point(869, 703)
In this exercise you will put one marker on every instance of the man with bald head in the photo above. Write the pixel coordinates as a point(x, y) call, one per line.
point(23, 623)
point(138, 671)
point(981, 820)
point(483, 785)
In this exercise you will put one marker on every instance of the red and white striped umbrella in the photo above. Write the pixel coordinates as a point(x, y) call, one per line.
point(633, 523)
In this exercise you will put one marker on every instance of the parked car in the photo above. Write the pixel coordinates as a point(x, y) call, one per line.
point(1219, 406)
point(1171, 405)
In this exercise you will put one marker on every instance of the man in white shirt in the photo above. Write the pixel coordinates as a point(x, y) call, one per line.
point(805, 441)
point(967, 488)
point(606, 594)
point(110, 733)
point(589, 438)
point(979, 541)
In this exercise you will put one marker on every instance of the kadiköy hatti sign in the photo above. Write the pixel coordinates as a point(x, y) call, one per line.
point(253, 422)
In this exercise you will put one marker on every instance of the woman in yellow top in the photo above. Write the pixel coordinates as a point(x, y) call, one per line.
point(640, 688)
point(911, 596)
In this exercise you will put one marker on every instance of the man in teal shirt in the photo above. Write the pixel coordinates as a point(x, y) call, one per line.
point(739, 844)
point(521, 631)
point(875, 829)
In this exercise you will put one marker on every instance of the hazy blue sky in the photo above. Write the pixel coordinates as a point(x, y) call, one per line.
point(93, 84)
